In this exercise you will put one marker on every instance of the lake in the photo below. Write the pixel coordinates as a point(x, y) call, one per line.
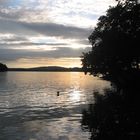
point(31, 110)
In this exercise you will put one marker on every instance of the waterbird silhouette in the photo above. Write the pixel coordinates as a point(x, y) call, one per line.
point(57, 93)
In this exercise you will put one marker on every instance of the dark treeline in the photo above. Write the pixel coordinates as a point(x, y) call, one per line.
point(49, 68)
point(3, 67)
point(115, 56)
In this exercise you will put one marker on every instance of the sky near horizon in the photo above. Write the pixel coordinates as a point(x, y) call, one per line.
point(47, 32)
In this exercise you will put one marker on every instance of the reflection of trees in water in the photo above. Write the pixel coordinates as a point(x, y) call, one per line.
point(114, 115)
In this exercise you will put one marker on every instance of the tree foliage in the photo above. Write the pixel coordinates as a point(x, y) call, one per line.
point(3, 67)
point(115, 41)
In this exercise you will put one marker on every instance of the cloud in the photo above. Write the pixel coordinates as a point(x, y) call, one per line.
point(20, 44)
point(62, 18)
point(14, 27)
point(8, 38)
point(3, 2)
point(17, 34)
point(53, 29)
point(46, 28)
point(56, 52)
point(59, 56)
point(67, 12)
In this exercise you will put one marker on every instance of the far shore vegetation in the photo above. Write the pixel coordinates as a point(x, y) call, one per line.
point(4, 68)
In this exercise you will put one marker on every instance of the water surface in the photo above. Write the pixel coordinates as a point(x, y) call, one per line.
point(31, 110)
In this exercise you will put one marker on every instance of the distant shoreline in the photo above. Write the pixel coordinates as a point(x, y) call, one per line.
point(48, 69)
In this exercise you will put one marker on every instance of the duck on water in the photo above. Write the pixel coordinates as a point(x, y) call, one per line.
point(58, 93)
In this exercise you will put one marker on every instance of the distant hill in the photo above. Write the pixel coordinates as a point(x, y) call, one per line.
point(49, 68)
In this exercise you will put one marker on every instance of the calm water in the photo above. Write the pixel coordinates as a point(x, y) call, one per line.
point(31, 110)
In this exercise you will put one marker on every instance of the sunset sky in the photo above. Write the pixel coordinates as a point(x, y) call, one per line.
point(47, 32)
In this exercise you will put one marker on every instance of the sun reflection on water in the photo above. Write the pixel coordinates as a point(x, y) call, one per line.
point(75, 96)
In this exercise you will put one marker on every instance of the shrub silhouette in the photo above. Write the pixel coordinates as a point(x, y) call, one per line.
point(3, 67)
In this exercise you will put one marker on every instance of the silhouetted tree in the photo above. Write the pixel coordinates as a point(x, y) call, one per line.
point(3, 67)
point(115, 41)
point(113, 116)
point(115, 53)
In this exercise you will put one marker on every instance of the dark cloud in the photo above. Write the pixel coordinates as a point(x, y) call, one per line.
point(18, 41)
point(47, 29)
point(12, 38)
point(19, 44)
point(58, 30)
point(58, 52)
point(15, 27)
point(3, 2)
point(9, 14)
